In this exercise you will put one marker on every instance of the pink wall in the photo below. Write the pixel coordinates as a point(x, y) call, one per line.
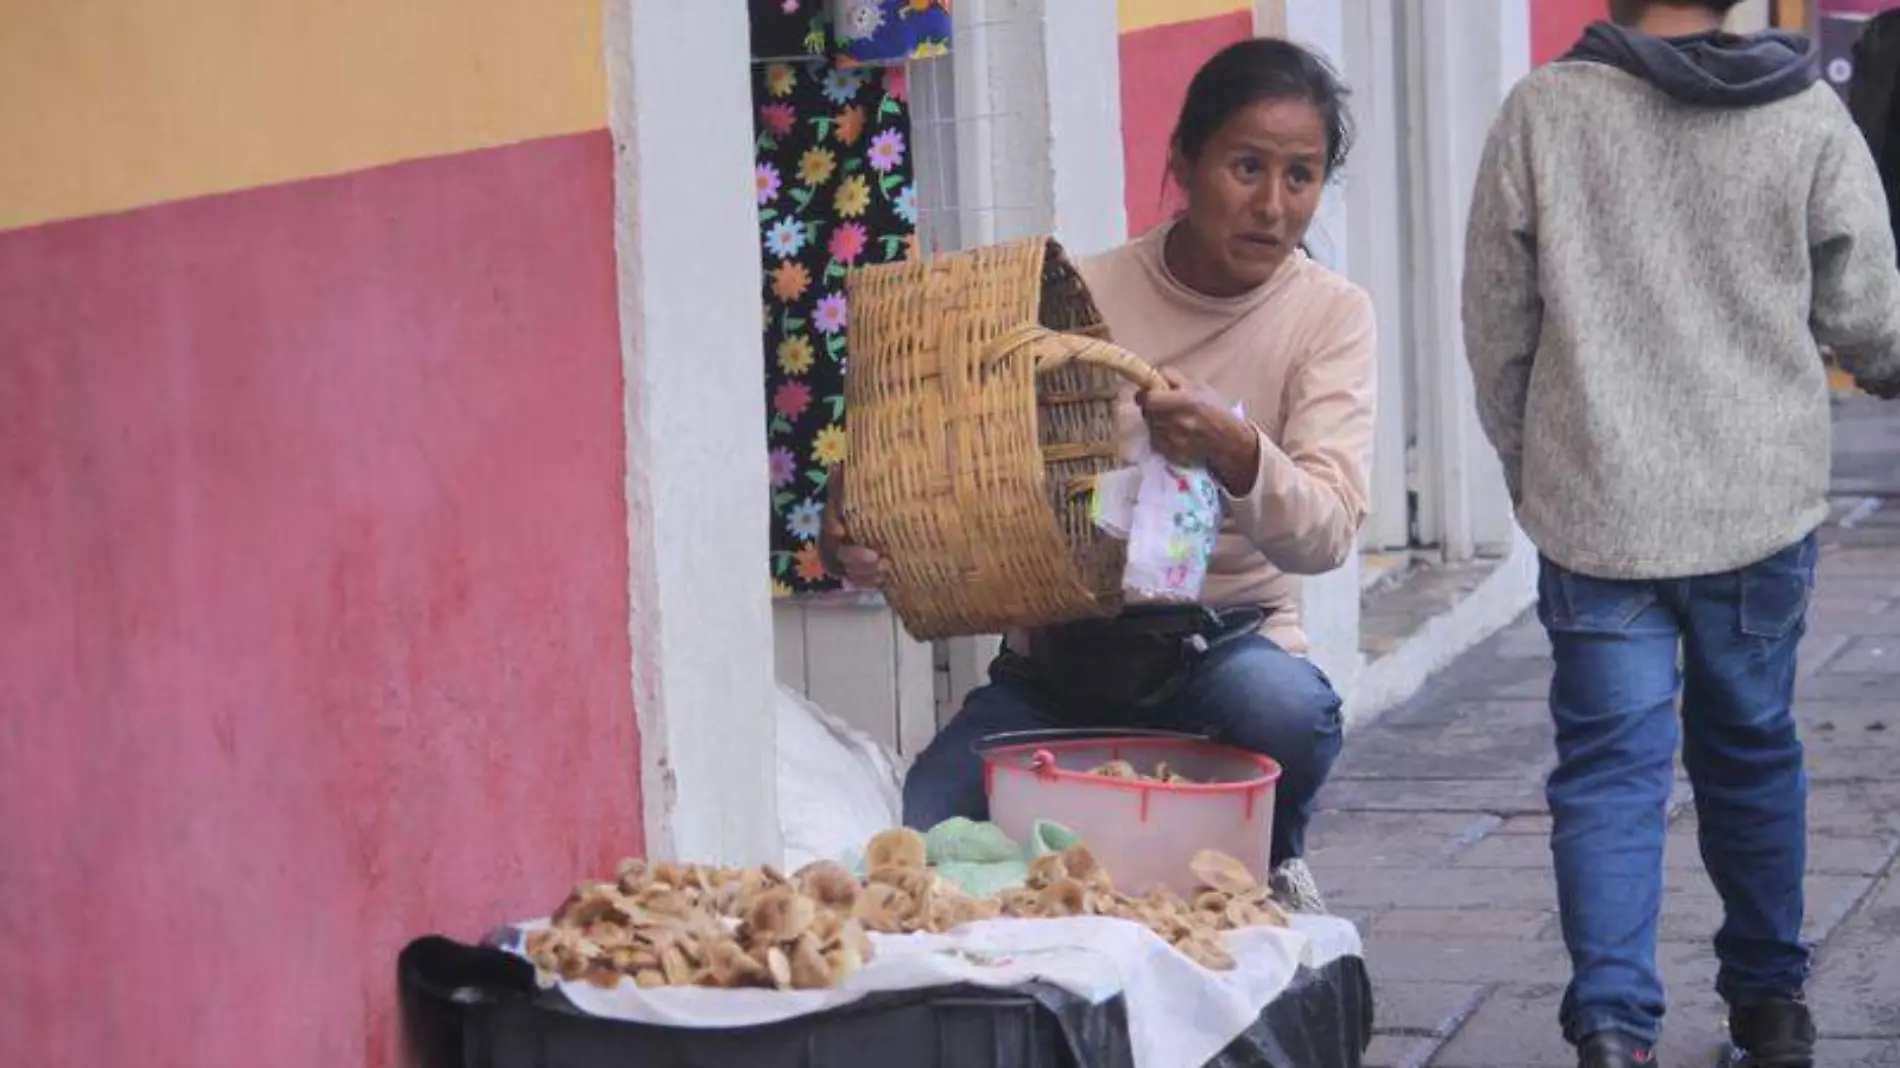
point(1556, 25)
point(1157, 64)
point(313, 556)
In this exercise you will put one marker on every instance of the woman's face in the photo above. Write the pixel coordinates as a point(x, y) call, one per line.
point(1251, 193)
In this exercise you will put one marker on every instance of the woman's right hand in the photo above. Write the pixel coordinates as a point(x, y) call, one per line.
point(860, 565)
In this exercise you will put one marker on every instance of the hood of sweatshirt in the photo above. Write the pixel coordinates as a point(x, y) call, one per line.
point(1715, 69)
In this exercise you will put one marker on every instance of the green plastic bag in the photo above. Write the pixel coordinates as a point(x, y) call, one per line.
point(982, 861)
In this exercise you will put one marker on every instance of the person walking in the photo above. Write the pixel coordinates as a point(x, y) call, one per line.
point(1669, 226)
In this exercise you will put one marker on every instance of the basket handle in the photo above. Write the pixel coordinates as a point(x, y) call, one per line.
point(1075, 348)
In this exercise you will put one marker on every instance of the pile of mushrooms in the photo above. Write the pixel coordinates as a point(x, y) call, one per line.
point(686, 925)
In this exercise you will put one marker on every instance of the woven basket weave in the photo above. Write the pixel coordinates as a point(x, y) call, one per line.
point(981, 406)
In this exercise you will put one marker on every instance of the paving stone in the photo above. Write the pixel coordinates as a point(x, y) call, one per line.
point(1858, 561)
point(1829, 586)
point(1828, 854)
point(1869, 655)
point(1818, 650)
point(1475, 923)
point(1856, 1053)
point(1397, 1051)
point(1847, 595)
point(1440, 889)
point(1433, 960)
point(1847, 741)
point(1825, 620)
point(1524, 640)
point(1858, 722)
point(1851, 740)
point(1475, 748)
point(1825, 685)
point(1537, 825)
point(1501, 796)
point(1855, 990)
point(1422, 1008)
point(1517, 1025)
point(1484, 712)
point(1692, 910)
point(1514, 850)
point(1407, 840)
point(1865, 808)
point(1537, 688)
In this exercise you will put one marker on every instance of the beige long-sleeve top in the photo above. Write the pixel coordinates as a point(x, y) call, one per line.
point(1297, 355)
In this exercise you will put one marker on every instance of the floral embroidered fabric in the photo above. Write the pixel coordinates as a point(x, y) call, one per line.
point(835, 191)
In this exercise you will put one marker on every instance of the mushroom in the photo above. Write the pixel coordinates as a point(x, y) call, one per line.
point(1218, 871)
point(902, 848)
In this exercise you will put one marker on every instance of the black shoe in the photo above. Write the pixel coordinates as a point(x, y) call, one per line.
point(1613, 1049)
point(1777, 1033)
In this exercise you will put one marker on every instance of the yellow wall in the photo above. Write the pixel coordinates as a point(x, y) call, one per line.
point(113, 104)
point(1143, 14)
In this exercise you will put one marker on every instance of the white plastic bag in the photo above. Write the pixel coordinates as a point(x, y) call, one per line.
point(837, 787)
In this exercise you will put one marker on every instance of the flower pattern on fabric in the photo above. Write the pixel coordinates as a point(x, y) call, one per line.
point(854, 33)
point(871, 32)
point(835, 192)
point(788, 29)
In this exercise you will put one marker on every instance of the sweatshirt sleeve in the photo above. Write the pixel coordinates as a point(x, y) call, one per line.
point(1503, 308)
point(1309, 494)
point(1856, 309)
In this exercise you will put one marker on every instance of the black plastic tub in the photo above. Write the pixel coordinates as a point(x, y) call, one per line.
point(475, 1007)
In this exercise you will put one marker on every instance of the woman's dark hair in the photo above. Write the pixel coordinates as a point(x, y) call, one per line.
point(1263, 68)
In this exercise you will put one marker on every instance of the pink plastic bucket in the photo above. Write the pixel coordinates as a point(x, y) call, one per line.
point(1144, 833)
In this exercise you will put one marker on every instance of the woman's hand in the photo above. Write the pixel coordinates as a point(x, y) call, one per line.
point(1188, 425)
point(860, 565)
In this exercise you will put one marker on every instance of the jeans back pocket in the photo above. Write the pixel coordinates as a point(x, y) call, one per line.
point(1569, 601)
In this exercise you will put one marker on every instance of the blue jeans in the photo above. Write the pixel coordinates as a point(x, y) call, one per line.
point(1623, 651)
point(1249, 694)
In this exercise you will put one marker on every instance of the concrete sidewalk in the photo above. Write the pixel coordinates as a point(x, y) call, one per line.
point(1434, 834)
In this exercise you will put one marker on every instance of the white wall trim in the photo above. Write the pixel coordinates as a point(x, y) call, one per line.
point(1329, 604)
point(1458, 71)
point(1375, 196)
point(1087, 158)
point(686, 232)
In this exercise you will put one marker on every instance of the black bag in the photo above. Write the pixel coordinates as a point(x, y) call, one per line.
point(1874, 98)
point(1136, 660)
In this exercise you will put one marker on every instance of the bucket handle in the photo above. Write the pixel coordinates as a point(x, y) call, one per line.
point(1056, 349)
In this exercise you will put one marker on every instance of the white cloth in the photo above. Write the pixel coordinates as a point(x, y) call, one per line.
point(1180, 1015)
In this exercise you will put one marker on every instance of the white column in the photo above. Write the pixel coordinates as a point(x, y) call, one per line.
point(1375, 193)
point(1459, 70)
point(687, 236)
point(1082, 66)
point(1330, 603)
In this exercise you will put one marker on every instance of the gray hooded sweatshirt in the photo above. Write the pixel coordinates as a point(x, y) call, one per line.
point(1664, 235)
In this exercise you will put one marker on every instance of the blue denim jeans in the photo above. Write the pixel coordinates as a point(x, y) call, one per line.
point(1249, 694)
point(1624, 650)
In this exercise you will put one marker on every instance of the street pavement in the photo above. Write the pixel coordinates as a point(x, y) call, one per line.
point(1434, 831)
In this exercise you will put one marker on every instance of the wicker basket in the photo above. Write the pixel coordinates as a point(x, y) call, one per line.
point(981, 406)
